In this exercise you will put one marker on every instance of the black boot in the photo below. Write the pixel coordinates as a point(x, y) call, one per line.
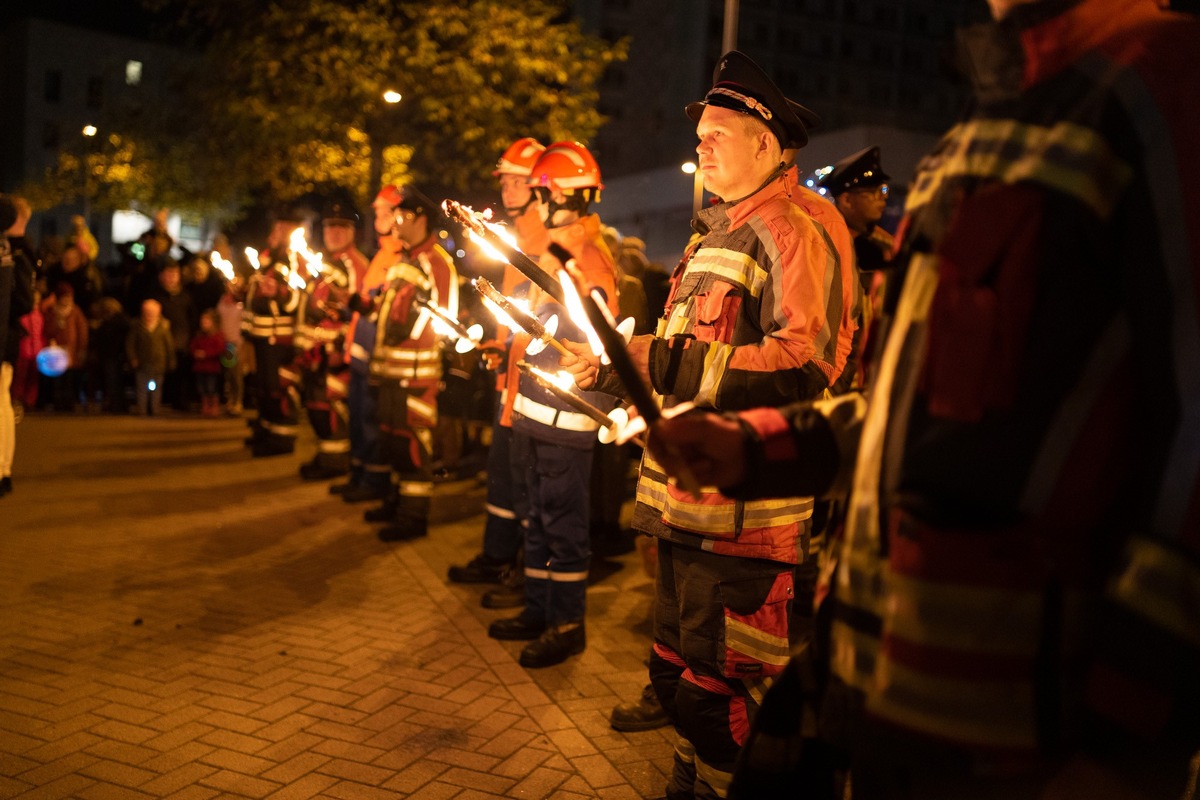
point(382, 513)
point(479, 569)
point(554, 646)
point(521, 628)
point(511, 593)
point(403, 531)
point(316, 471)
point(364, 492)
point(644, 715)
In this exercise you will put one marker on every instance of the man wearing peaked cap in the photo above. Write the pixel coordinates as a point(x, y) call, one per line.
point(740, 85)
point(762, 307)
point(859, 189)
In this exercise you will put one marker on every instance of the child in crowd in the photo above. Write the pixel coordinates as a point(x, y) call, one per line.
point(110, 329)
point(207, 347)
point(64, 324)
point(25, 373)
point(229, 311)
point(151, 353)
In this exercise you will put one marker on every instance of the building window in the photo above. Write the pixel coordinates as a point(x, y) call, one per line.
point(52, 90)
point(133, 73)
point(50, 136)
point(95, 92)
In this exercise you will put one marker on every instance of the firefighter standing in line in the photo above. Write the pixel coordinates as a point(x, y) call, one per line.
point(503, 532)
point(761, 307)
point(551, 440)
point(269, 323)
point(1011, 612)
point(370, 475)
point(406, 366)
point(322, 324)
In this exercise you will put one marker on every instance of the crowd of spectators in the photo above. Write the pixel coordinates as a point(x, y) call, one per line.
point(91, 310)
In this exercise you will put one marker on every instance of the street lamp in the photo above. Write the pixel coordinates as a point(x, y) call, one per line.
point(690, 168)
point(89, 133)
point(377, 138)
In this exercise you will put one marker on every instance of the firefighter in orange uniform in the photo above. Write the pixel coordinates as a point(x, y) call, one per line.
point(406, 365)
point(502, 533)
point(553, 441)
point(321, 343)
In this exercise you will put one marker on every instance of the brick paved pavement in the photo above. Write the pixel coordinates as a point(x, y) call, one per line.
point(180, 620)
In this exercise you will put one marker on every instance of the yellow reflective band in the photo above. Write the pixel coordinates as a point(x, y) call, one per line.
point(982, 713)
point(759, 645)
point(421, 407)
point(1161, 586)
point(537, 574)
point(333, 445)
point(716, 360)
point(733, 267)
point(408, 273)
point(966, 618)
point(502, 513)
point(718, 780)
point(416, 488)
point(568, 577)
point(1067, 158)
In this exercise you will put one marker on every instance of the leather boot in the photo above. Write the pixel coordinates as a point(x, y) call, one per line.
point(554, 646)
point(644, 715)
point(521, 628)
point(382, 513)
point(479, 569)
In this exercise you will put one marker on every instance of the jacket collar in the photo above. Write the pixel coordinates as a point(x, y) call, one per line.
point(725, 216)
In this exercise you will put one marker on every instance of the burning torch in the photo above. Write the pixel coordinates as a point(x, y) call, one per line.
point(488, 234)
point(561, 386)
point(543, 334)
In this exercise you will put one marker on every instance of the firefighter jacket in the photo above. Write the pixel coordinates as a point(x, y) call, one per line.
point(1021, 554)
point(536, 411)
point(362, 328)
point(762, 310)
point(322, 319)
point(407, 347)
point(269, 310)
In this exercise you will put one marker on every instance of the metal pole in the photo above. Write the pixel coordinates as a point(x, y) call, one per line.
point(729, 36)
point(697, 191)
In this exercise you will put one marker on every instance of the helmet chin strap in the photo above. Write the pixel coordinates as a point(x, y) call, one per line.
point(574, 203)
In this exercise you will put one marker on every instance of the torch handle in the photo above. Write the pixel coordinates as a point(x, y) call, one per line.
point(523, 263)
point(570, 398)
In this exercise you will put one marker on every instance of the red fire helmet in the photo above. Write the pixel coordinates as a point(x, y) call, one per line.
point(566, 166)
point(519, 158)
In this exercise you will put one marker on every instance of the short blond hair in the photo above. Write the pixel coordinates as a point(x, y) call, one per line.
point(753, 126)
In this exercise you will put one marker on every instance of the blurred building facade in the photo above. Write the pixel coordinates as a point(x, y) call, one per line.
point(63, 79)
point(876, 71)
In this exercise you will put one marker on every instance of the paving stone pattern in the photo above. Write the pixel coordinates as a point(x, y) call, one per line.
point(182, 621)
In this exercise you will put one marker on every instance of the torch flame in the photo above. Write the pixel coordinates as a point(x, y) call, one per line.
point(578, 315)
point(221, 265)
point(562, 380)
point(298, 246)
point(484, 219)
point(252, 255)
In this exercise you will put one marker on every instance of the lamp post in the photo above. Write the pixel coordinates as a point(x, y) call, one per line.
point(690, 168)
point(89, 134)
point(377, 138)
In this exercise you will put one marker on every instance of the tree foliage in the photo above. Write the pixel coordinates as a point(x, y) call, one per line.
point(286, 99)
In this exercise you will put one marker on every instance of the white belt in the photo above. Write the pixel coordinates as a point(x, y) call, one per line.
point(553, 417)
